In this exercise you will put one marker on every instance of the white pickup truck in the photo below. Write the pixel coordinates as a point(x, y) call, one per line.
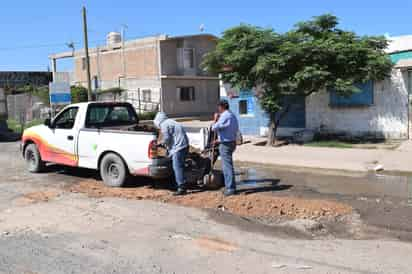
point(101, 136)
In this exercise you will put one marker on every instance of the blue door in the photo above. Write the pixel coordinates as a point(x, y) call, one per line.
point(296, 116)
point(252, 117)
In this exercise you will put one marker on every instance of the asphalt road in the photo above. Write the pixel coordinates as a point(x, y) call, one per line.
point(73, 233)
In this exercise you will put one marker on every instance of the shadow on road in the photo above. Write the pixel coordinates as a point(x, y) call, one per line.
point(261, 185)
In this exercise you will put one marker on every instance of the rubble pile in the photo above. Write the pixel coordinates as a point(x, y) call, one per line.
point(246, 205)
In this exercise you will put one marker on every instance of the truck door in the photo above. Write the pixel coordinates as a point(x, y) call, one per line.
point(64, 137)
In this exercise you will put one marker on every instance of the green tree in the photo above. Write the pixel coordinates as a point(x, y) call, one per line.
point(78, 94)
point(43, 94)
point(315, 55)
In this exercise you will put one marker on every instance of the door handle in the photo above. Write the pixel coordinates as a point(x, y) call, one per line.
point(70, 138)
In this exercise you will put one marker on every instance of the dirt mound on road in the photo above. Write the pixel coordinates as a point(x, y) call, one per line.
point(246, 205)
point(36, 197)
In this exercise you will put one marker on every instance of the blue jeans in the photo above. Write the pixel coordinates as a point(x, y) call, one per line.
point(178, 163)
point(226, 151)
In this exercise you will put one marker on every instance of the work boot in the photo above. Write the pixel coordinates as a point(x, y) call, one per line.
point(180, 192)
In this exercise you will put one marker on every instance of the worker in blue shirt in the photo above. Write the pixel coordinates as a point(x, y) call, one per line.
point(227, 126)
point(174, 137)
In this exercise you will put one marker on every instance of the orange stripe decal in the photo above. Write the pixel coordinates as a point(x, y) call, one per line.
point(50, 153)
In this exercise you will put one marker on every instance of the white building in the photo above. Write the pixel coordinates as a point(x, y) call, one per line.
point(382, 109)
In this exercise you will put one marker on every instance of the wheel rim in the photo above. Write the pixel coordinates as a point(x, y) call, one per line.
point(113, 171)
point(31, 159)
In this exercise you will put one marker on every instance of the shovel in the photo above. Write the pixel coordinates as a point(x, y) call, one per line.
point(213, 179)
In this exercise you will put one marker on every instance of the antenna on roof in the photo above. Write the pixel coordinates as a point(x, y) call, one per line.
point(71, 46)
point(202, 27)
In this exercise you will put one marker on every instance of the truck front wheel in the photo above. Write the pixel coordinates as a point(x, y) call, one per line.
point(113, 170)
point(33, 159)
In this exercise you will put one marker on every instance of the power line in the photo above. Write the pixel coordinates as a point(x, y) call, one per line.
point(64, 44)
point(44, 45)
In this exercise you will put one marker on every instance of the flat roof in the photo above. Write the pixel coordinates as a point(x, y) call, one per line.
point(160, 37)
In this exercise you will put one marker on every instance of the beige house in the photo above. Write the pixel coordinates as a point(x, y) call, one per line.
point(156, 72)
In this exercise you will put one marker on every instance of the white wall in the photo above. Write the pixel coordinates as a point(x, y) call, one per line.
point(388, 116)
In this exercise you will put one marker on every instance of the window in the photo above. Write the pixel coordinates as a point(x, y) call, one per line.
point(188, 58)
point(146, 95)
point(110, 116)
point(242, 107)
point(186, 93)
point(66, 119)
point(359, 99)
point(84, 63)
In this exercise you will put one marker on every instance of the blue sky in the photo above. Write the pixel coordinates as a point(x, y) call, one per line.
point(30, 30)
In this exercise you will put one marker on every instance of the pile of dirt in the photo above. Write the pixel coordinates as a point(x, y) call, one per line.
point(96, 189)
point(246, 205)
point(37, 197)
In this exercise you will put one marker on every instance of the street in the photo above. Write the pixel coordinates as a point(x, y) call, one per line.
point(283, 221)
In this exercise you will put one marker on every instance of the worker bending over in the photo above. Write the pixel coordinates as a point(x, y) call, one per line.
point(174, 137)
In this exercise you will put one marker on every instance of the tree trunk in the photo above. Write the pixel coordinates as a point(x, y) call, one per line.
point(271, 133)
point(274, 125)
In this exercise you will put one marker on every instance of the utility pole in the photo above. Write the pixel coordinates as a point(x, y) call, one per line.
point(86, 50)
point(124, 27)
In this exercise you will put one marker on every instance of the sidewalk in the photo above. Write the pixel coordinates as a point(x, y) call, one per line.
point(340, 159)
point(355, 160)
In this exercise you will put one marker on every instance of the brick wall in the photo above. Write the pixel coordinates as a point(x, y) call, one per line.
point(141, 62)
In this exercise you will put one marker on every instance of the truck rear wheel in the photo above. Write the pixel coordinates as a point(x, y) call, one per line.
point(33, 159)
point(113, 170)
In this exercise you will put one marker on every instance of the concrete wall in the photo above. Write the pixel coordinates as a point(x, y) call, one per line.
point(387, 117)
point(3, 110)
point(206, 94)
point(201, 44)
point(24, 107)
point(135, 97)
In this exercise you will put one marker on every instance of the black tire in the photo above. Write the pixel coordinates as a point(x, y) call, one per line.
point(113, 170)
point(33, 159)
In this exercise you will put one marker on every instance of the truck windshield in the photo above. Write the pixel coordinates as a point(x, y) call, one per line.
point(110, 116)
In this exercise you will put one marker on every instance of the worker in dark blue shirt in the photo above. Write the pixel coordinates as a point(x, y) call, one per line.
point(227, 126)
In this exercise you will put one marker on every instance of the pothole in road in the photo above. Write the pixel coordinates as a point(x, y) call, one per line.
point(246, 205)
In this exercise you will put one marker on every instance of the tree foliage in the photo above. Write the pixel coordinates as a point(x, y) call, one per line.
point(78, 94)
point(315, 55)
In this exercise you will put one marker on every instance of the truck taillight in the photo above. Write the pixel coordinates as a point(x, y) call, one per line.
point(152, 152)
